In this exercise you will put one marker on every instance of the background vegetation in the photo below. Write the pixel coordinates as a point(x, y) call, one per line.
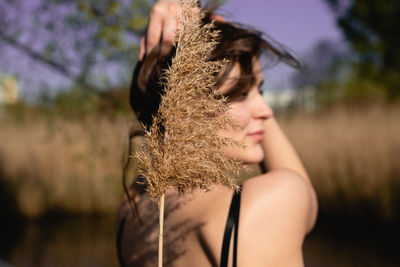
point(61, 153)
point(72, 164)
point(62, 146)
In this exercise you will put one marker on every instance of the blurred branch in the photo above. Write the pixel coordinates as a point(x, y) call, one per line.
point(84, 41)
point(42, 59)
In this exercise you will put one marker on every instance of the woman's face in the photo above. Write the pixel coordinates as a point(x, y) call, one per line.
point(250, 111)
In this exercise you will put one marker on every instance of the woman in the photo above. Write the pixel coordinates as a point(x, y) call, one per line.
point(273, 212)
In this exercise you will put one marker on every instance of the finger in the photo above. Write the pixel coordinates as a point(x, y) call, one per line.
point(217, 17)
point(168, 36)
point(169, 31)
point(153, 34)
point(170, 28)
point(142, 48)
point(165, 49)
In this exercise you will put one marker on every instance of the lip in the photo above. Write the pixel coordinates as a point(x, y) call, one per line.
point(257, 136)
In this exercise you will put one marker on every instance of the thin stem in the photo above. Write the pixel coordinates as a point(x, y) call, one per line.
point(160, 236)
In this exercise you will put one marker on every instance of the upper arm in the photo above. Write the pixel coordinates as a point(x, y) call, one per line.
point(278, 210)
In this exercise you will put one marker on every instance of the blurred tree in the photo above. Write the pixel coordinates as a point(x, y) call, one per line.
point(372, 29)
point(327, 61)
point(83, 40)
point(329, 66)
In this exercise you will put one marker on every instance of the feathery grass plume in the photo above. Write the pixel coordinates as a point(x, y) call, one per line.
point(183, 148)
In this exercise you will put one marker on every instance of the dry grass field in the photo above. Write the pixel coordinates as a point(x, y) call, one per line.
point(352, 154)
point(61, 165)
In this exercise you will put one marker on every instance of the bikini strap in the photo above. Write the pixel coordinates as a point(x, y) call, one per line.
point(231, 223)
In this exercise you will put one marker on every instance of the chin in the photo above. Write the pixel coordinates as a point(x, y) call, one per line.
point(253, 157)
point(250, 154)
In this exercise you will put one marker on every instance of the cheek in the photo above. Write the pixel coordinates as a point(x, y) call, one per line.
point(240, 113)
point(252, 152)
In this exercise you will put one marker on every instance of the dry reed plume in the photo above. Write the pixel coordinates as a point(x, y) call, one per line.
point(183, 149)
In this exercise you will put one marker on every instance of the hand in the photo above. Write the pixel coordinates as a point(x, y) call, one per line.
point(163, 24)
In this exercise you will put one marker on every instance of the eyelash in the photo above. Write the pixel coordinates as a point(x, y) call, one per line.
point(244, 95)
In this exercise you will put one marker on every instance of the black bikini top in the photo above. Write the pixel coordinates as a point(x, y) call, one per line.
point(231, 223)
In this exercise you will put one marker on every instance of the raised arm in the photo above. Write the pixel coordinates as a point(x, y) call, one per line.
point(279, 154)
point(163, 23)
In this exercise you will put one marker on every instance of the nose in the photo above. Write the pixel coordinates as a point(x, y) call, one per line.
point(262, 110)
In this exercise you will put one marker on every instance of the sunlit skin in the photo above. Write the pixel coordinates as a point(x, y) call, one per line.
point(249, 111)
point(278, 207)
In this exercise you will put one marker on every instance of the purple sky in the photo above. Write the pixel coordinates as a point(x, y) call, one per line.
point(298, 24)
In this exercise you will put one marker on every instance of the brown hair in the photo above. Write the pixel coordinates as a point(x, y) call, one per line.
point(236, 44)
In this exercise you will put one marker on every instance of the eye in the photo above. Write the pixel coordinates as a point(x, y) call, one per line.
point(260, 88)
point(242, 96)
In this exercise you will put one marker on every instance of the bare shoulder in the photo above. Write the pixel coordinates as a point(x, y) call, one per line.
point(278, 209)
point(284, 189)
